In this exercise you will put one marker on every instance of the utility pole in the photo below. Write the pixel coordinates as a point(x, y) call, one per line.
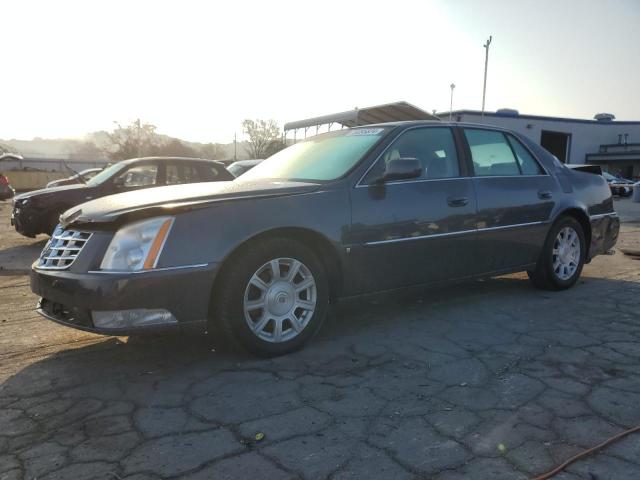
point(486, 63)
point(139, 139)
point(453, 85)
point(235, 148)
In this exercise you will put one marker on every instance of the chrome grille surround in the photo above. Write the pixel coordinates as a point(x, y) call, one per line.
point(62, 249)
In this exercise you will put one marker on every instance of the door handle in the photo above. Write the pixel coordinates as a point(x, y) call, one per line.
point(457, 201)
point(543, 194)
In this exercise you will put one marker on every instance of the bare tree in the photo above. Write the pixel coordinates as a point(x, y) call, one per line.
point(213, 151)
point(85, 150)
point(175, 148)
point(4, 148)
point(135, 140)
point(261, 133)
point(274, 147)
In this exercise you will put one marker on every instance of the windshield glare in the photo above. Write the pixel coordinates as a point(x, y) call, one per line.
point(321, 158)
point(105, 174)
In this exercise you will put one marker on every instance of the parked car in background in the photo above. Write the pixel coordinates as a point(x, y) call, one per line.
point(242, 166)
point(341, 214)
point(619, 186)
point(38, 211)
point(81, 177)
point(6, 190)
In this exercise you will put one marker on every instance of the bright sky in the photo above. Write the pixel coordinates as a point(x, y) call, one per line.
point(196, 69)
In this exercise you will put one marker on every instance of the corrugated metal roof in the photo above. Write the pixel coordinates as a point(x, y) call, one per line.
point(390, 112)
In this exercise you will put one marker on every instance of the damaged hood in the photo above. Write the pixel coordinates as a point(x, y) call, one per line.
point(175, 198)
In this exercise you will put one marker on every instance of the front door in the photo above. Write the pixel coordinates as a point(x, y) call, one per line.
point(413, 231)
point(515, 200)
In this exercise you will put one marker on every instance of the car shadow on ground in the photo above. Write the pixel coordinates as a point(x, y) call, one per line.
point(462, 369)
point(349, 317)
point(20, 257)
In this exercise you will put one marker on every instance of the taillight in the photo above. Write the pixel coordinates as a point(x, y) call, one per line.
point(4, 180)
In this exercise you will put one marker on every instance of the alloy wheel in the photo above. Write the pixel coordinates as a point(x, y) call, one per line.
point(280, 300)
point(566, 253)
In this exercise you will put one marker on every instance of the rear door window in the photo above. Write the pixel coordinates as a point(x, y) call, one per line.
point(184, 172)
point(491, 153)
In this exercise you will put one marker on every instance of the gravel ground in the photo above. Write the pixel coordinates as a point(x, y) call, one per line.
point(484, 380)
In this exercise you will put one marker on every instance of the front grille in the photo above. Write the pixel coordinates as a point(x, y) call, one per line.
point(62, 249)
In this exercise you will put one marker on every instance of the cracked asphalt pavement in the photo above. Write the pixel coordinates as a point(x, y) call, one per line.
point(481, 380)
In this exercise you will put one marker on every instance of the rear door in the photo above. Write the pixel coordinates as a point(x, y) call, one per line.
point(414, 231)
point(515, 198)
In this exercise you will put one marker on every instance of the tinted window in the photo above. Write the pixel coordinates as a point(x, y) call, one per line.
point(491, 153)
point(528, 164)
point(434, 148)
point(178, 173)
point(212, 172)
point(140, 176)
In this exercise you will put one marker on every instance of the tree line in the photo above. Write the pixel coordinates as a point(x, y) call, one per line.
point(140, 139)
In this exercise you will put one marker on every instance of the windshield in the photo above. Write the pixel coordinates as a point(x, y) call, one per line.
point(105, 174)
point(321, 158)
point(608, 176)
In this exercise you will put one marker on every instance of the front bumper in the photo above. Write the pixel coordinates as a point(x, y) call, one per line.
point(27, 221)
point(70, 298)
point(604, 233)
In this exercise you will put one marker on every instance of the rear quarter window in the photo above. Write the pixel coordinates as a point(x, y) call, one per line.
point(528, 164)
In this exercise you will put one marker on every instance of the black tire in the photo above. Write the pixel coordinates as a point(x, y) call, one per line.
point(227, 302)
point(544, 276)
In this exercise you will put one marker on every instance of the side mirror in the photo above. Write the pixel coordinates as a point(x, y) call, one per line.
point(402, 169)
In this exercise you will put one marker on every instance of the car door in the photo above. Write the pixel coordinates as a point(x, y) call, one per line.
point(515, 198)
point(414, 231)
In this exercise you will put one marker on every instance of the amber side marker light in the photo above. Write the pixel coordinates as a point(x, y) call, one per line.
point(156, 246)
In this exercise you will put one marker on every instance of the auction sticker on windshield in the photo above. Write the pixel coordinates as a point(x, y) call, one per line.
point(365, 131)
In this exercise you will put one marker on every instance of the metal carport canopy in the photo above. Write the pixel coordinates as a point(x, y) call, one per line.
point(390, 112)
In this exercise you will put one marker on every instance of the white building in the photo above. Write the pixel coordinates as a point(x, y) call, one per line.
point(615, 145)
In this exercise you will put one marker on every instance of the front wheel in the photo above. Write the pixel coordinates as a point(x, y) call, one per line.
point(562, 256)
point(272, 296)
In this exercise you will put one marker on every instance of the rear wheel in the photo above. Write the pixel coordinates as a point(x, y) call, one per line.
point(272, 297)
point(562, 256)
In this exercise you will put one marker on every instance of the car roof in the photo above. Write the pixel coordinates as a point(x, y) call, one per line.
point(166, 159)
point(246, 163)
point(434, 123)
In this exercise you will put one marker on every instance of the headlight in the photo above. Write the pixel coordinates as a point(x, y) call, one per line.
point(137, 246)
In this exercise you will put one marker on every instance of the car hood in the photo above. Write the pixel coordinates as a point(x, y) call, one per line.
point(50, 191)
point(175, 198)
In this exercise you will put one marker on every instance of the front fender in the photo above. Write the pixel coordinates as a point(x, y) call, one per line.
point(210, 234)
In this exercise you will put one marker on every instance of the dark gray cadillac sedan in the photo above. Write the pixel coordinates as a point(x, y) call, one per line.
point(341, 214)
